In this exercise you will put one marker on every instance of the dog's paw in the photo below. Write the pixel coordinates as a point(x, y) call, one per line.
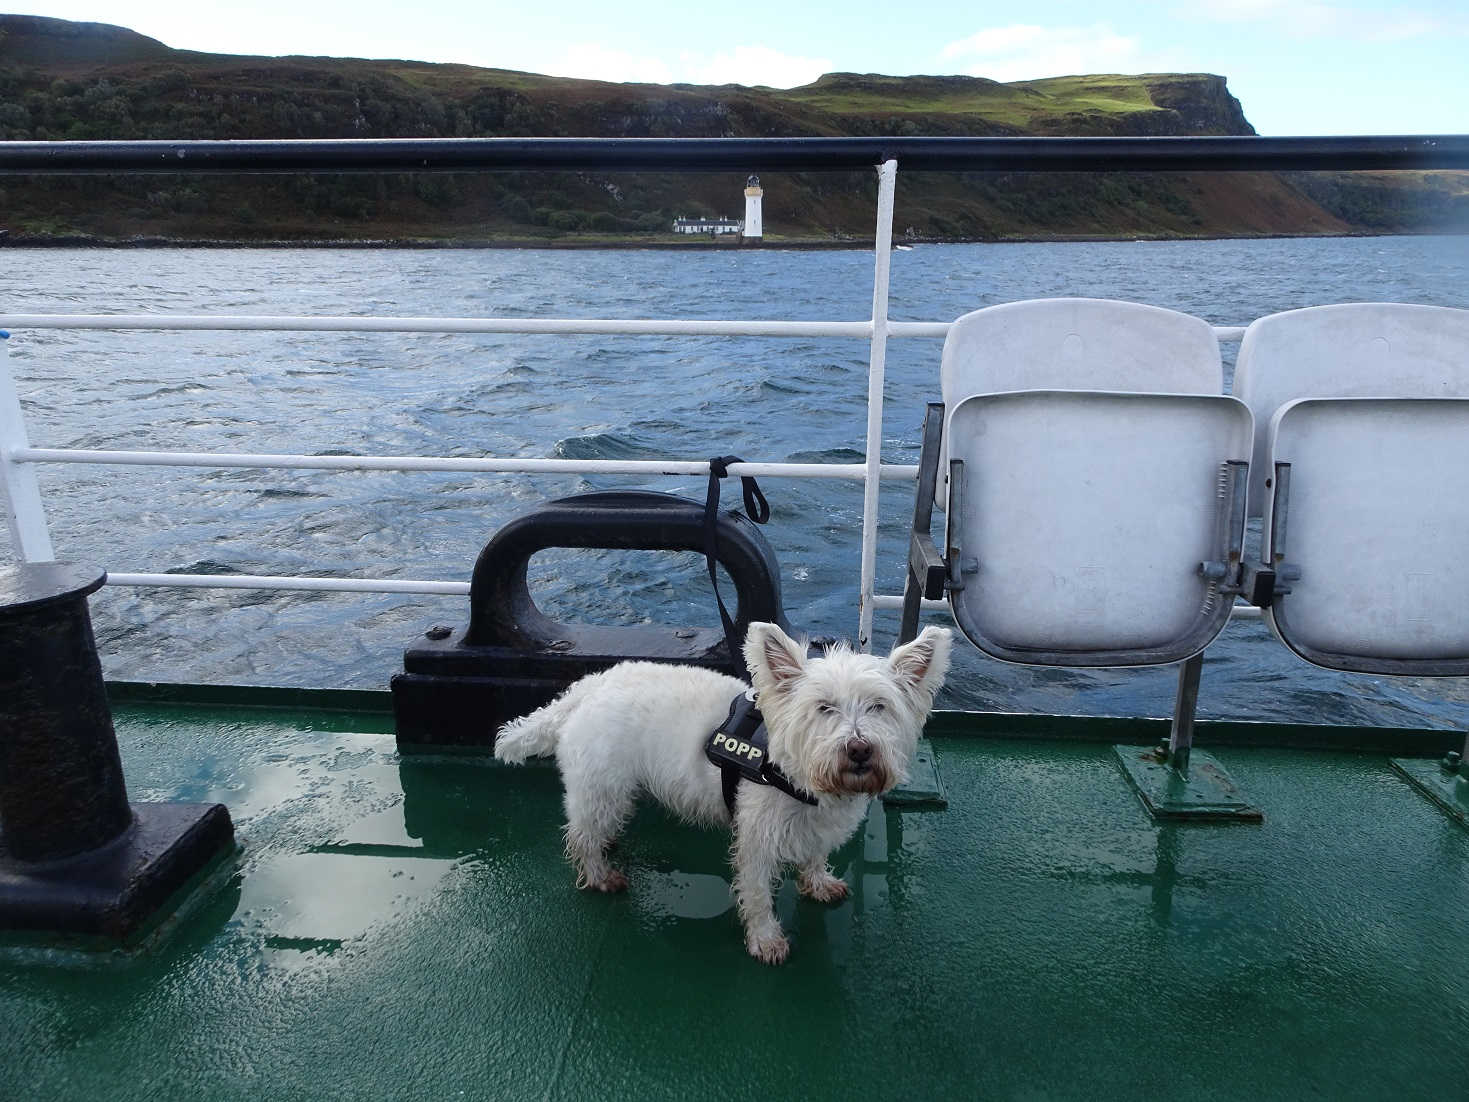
point(771, 949)
point(611, 881)
point(823, 889)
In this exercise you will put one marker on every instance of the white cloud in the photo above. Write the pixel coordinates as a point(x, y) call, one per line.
point(739, 65)
point(1307, 20)
point(1026, 52)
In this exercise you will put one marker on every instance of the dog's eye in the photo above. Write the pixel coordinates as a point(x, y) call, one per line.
point(877, 706)
point(826, 708)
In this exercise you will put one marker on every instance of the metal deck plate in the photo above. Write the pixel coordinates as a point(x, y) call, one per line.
point(1311, 944)
point(1448, 790)
point(924, 790)
point(1208, 792)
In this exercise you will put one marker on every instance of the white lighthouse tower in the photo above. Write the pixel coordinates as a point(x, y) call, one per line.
point(753, 228)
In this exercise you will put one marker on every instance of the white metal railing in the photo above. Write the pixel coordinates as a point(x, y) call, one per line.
point(285, 323)
point(849, 471)
point(31, 536)
point(222, 323)
point(27, 519)
point(882, 248)
point(290, 582)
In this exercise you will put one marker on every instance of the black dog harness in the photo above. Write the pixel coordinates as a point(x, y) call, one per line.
point(740, 747)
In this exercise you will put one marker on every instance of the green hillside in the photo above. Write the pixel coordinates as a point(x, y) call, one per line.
point(86, 81)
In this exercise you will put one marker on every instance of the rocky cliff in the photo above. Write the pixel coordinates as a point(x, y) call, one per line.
point(88, 81)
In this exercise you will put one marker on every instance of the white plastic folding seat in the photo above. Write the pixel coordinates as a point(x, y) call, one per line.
point(1362, 417)
point(1350, 350)
point(1093, 477)
point(1093, 438)
point(1094, 528)
point(1371, 533)
point(1077, 344)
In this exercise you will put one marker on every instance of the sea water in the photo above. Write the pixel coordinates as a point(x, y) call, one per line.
point(776, 399)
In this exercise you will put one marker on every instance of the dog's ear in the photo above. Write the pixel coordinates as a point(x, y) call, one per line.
point(920, 666)
point(772, 656)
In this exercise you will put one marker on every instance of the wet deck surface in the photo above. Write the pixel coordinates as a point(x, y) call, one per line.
point(408, 928)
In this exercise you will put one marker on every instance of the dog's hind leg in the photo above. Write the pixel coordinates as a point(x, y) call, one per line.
point(594, 818)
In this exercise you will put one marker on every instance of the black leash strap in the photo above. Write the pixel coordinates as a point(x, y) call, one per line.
point(758, 510)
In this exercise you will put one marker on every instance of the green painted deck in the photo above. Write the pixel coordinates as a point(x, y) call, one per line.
point(406, 928)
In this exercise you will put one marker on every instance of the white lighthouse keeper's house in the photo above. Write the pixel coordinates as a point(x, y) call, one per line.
point(753, 192)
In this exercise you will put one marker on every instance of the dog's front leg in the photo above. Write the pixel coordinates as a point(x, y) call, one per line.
point(755, 869)
point(817, 882)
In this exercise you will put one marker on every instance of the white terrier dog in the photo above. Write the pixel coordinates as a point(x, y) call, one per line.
point(842, 727)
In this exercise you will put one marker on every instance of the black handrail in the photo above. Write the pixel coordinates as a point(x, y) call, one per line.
point(1228, 154)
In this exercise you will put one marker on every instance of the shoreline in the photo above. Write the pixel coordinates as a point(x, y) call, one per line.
point(87, 241)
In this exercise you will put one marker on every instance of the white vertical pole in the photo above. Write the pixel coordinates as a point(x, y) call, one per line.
point(887, 175)
point(22, 497)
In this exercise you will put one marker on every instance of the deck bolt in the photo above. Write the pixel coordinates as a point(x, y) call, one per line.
point(439, 631)
point(1450, 761)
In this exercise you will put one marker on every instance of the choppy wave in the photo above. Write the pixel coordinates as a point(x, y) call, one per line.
point(828, 455)
point(605, 445)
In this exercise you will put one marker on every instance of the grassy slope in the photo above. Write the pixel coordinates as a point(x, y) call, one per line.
point(84, 81)
point(1027, 106)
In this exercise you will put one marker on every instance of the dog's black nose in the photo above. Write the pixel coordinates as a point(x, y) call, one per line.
point(859, 751)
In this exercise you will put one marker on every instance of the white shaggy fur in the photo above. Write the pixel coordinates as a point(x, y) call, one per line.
point(842, 726)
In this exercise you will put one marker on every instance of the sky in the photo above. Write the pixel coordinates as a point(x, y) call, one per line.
point(1298, 67)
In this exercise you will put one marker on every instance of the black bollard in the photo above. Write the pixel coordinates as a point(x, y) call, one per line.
point(61, 786)
point(75, 857)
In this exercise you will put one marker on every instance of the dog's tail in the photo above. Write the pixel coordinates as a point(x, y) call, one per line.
point(534, 735)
